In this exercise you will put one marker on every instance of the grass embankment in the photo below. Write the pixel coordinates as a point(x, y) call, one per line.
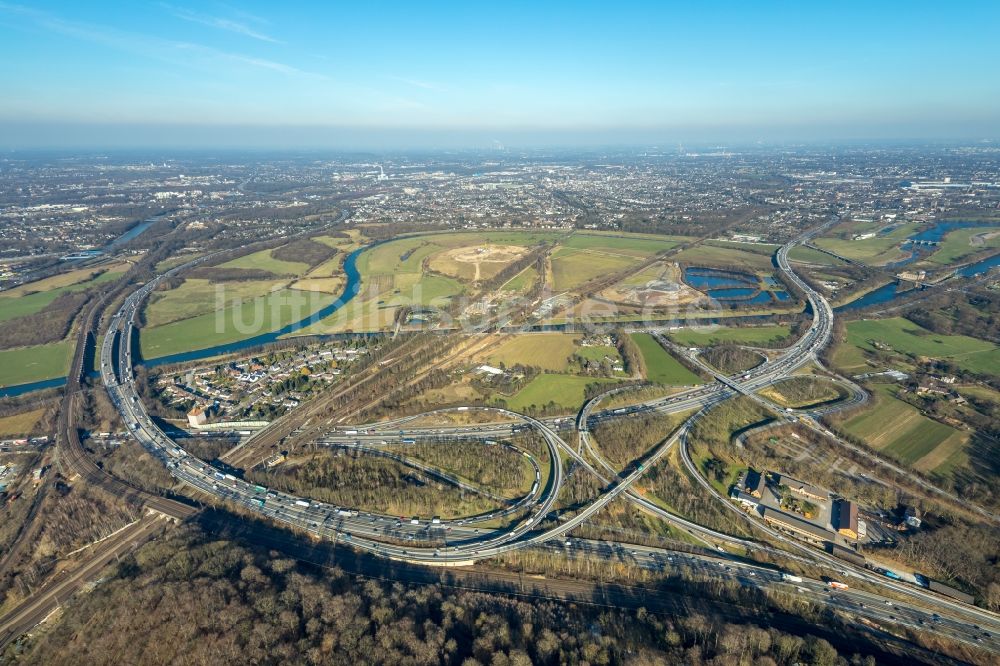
point(661, 367)
point(20, 424)
point(802, 392)
point(751, 335)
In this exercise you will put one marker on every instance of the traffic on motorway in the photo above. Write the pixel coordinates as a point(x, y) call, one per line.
point(407, 538)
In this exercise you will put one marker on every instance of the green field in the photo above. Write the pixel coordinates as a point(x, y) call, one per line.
point(33, 364)
point(13, 305)
point(522, 280)
point(265, 262)
point(20, 424)
point(756, 335)
point(549, 351)
point(417, 289)
point(900, 430)
point(757, 257)
point(661, 367)
point(197, 296)
point(387, 258)
point(572, 267)
point(875, 251)
point(906, 337)
point(639, 247)
point(563, 390)
point(254, 317)
point(958, 243)
point(808, 255)
point(598, 352)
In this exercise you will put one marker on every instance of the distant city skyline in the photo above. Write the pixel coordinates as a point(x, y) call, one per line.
point(449, 75)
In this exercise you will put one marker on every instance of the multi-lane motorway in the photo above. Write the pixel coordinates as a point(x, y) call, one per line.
point(532, 525)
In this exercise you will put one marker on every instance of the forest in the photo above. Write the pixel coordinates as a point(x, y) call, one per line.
point(190, 598)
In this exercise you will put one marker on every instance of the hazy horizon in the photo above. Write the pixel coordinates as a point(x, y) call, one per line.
point(172, 75)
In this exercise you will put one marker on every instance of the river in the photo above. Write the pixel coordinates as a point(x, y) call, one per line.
point(351, 288)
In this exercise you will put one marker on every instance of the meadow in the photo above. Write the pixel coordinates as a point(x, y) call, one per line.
point(197, 296)
point(661, 367)
point(567, 391)
point(896, 428)
point(752, 335)
point(549, 351)
point(744, 255)
point(20, 424)
point(957, 244)
point(875, 251)
point(808, 255)
point(32, 364)
point(573, 267)
point(251, 318)
point(263, 261)
point(34, 297)
point(908, 338)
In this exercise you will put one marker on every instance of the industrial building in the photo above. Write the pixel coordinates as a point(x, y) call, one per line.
point(790, 523)
point(847, 519)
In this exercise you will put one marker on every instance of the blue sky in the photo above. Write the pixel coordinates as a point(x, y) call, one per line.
point(252, 73)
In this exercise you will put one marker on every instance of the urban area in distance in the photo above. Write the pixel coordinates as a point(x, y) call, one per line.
point(583, 353)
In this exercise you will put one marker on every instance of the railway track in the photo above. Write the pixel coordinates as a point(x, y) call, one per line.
point(73, 456)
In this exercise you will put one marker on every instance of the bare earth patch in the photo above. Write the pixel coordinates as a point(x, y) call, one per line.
point(659, 285)
point(476, 263)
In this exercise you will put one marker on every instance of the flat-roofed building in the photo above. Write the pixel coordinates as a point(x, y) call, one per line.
point(789, 522)
point(804, 489)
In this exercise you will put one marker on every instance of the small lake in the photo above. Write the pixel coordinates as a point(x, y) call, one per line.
point(761, 298)
point(734, 293)
point(707, 278)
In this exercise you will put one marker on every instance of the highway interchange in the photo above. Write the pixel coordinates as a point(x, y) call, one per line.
point(420, 540)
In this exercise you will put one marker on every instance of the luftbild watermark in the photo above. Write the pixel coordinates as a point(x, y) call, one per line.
point(288, 310)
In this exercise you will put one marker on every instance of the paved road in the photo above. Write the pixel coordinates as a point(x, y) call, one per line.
point(364, 531)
